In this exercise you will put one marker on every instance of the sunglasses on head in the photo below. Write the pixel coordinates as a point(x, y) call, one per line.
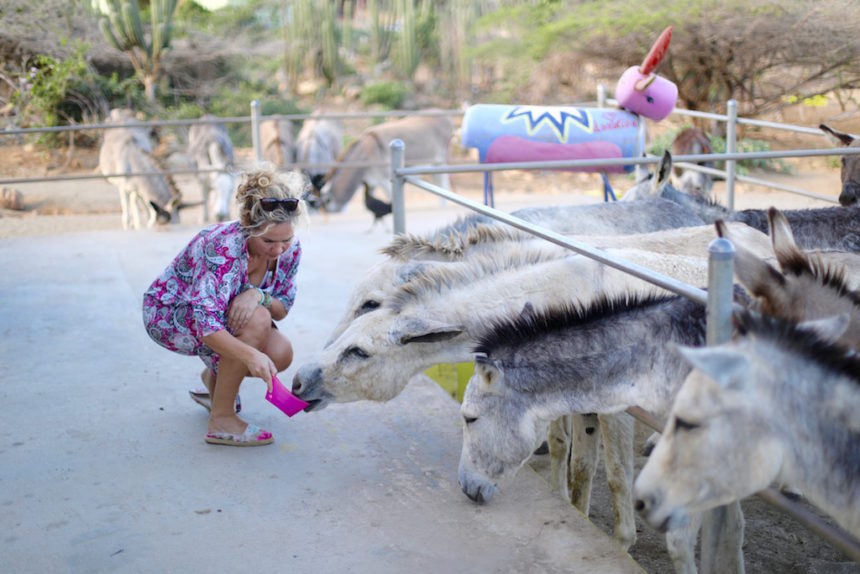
point(288, 204)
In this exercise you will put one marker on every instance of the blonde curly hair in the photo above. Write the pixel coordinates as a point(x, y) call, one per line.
point(265, 181)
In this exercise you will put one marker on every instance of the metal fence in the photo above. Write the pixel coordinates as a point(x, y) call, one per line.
point(718, 298)
point(688, 162)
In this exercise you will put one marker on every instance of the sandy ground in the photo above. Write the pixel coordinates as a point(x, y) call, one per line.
point(774, 542)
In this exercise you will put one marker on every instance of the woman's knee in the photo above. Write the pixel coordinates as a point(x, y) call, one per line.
point(256, 330)
point(280, 350)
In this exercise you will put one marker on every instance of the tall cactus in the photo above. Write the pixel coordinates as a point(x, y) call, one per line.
point(123, 29)
point(328, 37)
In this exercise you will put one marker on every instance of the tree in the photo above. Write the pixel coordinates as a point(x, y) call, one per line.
point(766, 54)
point(124, 30)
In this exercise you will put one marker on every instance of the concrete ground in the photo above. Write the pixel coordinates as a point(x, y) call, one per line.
point(103, 467)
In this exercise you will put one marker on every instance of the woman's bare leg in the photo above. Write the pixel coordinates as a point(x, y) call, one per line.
point(231, 373)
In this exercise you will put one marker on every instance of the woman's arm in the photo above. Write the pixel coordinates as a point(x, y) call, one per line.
point(258, 363)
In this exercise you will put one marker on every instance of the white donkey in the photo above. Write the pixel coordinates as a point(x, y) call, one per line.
point(425, 138)
point(792, 395)
point(319, 142)
point(276, 139)
point(126, 151)
point(210, 146)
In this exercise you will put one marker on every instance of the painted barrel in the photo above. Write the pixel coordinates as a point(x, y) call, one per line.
point(511, 133)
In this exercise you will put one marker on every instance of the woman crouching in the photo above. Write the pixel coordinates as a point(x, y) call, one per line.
point(220, 297)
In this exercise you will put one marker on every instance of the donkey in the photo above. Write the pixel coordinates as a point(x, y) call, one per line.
point(409, 254)
point(128, 150)
point(822, 228)
point(806, 287)
point(210, 146)
point(541, 365)
point(276, 140)
point(850, 194)
point(320, 142)
point(692, 141)
point(426, 140)
point(792, 394)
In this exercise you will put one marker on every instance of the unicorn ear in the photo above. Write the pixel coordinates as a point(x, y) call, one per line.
point(829, 329)
point(418, 330)
point(725, 366)
point(783, 239)
point(487, 369)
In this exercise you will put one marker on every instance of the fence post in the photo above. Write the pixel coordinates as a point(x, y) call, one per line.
point(731, 147)
point(723, 527)
point(641, 170)
point(398, 211)
point(255, 131)
point(601, 96)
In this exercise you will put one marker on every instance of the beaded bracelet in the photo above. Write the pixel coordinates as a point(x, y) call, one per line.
point(262, 294)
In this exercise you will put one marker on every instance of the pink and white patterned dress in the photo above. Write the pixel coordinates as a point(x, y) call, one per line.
point(189, 300)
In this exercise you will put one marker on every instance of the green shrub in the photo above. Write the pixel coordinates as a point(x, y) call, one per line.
point(664, 141)
point(389, 95)
point(750, 145)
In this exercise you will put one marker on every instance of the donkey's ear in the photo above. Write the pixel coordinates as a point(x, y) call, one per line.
point(664, 171)
point(487, 369)
point(409, 271)
point(839, 138)
point(784, 244)
point(829, 329)
point(528, 310)
point(757, 276)
point(725, 366)
point(418, 330)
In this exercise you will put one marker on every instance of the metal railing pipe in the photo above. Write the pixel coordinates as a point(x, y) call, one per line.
point(583, 248)
point(731, 145)
point(255, 131)
point(617, 162)
point(398, 201)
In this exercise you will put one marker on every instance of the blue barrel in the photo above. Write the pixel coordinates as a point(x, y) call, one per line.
point(508, 133)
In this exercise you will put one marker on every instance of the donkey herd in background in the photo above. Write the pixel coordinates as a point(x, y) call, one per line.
point(562, 344)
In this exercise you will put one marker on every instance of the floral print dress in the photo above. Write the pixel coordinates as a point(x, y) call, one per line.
point(189, 300)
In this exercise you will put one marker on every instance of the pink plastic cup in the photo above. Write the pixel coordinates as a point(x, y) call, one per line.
point(284, 399)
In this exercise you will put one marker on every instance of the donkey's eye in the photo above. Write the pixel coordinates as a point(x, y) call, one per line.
point(470, 420)
point(356, 352)
point(681, 424)
point(368, 305)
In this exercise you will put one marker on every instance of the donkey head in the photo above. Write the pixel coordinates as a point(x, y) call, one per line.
point(711, 450)
point(374, 358)
point(500, 433)
point(850, 166)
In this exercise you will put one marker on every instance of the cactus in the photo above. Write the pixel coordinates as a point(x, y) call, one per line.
point(328, 37)
point(123, 29)
point(407, 53)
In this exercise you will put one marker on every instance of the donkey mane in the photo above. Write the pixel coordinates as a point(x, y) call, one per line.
point(437, 278)
point(514, 332)
point(830, 276)
point(450, 244)
point(808, 344)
